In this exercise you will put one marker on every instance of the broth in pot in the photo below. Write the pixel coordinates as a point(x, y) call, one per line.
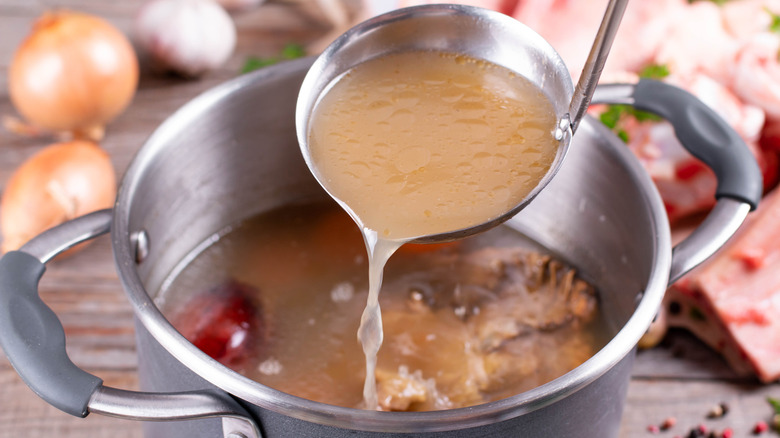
point(279, 297)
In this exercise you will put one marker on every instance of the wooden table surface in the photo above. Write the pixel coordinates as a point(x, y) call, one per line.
point(681, 378)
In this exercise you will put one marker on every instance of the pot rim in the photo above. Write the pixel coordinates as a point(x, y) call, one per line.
point(265, 397)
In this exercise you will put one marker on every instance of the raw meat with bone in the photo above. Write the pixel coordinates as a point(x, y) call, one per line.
point(732, 302)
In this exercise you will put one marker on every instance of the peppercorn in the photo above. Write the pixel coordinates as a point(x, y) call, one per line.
point(718, 411)
point(699, 431)
point(760, 428)
point(653, 428)
point(727, 433)
point(668, 423)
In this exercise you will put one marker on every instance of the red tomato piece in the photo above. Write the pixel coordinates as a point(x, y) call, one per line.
point(224, 322)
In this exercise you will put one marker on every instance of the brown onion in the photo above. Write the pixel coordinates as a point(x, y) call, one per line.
point(60, 182)
point(74, 72)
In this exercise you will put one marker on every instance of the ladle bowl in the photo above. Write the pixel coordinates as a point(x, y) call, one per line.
point(479, 33)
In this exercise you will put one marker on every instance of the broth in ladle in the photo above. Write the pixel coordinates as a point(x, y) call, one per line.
point(422, 143)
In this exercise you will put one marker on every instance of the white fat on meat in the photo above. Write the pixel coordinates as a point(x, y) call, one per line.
point(745, 18)
point(698, 42)
point(757, 73)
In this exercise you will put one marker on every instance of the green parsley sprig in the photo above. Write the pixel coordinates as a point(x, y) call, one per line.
point(774, 25)
point(288, 52)
point(775, 402)
point(615, 114)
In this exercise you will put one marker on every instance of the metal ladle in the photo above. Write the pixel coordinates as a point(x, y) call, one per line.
point(481, 34)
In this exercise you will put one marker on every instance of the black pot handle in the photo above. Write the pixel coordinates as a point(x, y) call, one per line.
point(709, 138)
point(32, 336)
point(700, 130)
point(34, 341)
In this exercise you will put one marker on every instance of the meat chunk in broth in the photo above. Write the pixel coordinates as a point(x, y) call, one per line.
point(510, 318)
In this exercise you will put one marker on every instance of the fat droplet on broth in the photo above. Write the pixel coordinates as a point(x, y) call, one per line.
point(406, 99)
point(500, 193)
point(471, 110)
point(493, 162)
point(359, 169)
point(478, 128)
point(395, 183)
point(382, 109)
point(386, 86)
point(402, 118)
point(451, 96)
point(412, 158)
point(534, 134)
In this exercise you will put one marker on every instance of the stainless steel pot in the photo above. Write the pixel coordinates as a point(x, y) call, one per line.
point(232, 153)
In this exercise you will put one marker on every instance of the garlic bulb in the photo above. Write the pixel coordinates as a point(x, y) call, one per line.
point(189, 37)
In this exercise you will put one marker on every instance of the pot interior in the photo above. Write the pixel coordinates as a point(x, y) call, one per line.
point(232, 153)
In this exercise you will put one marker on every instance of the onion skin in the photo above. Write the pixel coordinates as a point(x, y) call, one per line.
point(59, 183)
point(74, 72)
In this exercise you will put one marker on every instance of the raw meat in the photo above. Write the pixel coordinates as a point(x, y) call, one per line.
point(733, 301)
point(756, 76)
point(571, 25)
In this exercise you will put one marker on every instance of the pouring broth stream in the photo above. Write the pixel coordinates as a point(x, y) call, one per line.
point(421, 143)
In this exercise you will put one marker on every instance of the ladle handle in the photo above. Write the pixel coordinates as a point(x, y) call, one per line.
point(709, 138)
point(591, 72)
point(34, 341)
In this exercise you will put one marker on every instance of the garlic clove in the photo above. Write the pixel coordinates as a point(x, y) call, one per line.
point(189, 37)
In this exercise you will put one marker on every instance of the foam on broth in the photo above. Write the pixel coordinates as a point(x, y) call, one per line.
point(422, 143)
